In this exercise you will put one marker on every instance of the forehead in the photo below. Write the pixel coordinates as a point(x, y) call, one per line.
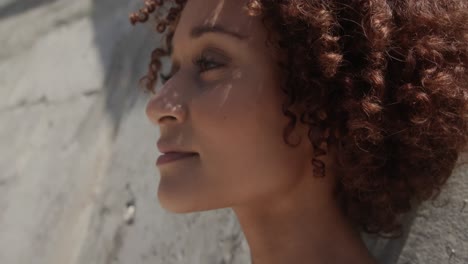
point(230, 14)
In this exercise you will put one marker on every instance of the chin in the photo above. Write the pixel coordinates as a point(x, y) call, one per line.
point(174, 205)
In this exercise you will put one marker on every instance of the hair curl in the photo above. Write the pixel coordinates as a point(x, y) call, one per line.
point(385, 81)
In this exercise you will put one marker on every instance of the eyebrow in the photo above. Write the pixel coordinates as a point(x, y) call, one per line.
point(200, 30)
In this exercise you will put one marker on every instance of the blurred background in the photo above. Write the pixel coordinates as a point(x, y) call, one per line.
point(77, 176)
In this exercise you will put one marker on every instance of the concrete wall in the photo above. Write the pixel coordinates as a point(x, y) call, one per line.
point(77, 153)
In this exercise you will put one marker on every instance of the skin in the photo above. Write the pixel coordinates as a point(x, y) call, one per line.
point(228, 110)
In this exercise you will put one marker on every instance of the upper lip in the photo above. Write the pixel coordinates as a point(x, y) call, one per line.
point(165, 147)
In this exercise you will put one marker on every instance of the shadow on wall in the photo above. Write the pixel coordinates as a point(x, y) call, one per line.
point(124, 50)
point(15, 7)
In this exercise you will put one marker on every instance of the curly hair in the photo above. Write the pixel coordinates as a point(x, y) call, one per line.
point(385, 81)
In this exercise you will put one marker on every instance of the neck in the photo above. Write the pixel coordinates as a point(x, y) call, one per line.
point(301, 226)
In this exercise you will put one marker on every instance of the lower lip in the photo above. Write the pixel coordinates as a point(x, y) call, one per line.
point(173, 156)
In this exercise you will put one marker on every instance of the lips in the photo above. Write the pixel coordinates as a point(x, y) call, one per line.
point(165, 147)
point(172, 153)
point(174, 156)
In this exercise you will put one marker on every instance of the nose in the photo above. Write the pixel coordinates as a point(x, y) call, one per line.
point(166, 106)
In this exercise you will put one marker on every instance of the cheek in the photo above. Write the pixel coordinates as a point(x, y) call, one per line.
point(245, 101)
point(237, 110)
point(238, 127)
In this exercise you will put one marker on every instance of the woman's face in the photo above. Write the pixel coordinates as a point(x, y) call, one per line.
point(224, 102)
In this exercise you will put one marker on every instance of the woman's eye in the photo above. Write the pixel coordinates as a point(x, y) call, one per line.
point(205, 64)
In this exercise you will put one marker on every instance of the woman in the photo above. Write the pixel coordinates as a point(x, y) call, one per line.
point(313, 120)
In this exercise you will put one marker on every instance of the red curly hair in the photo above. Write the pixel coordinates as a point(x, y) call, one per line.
point(386, 80)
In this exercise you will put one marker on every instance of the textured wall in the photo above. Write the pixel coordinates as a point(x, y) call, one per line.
point(77, 153)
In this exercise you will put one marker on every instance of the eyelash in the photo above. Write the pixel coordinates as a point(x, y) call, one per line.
point(200, 61)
